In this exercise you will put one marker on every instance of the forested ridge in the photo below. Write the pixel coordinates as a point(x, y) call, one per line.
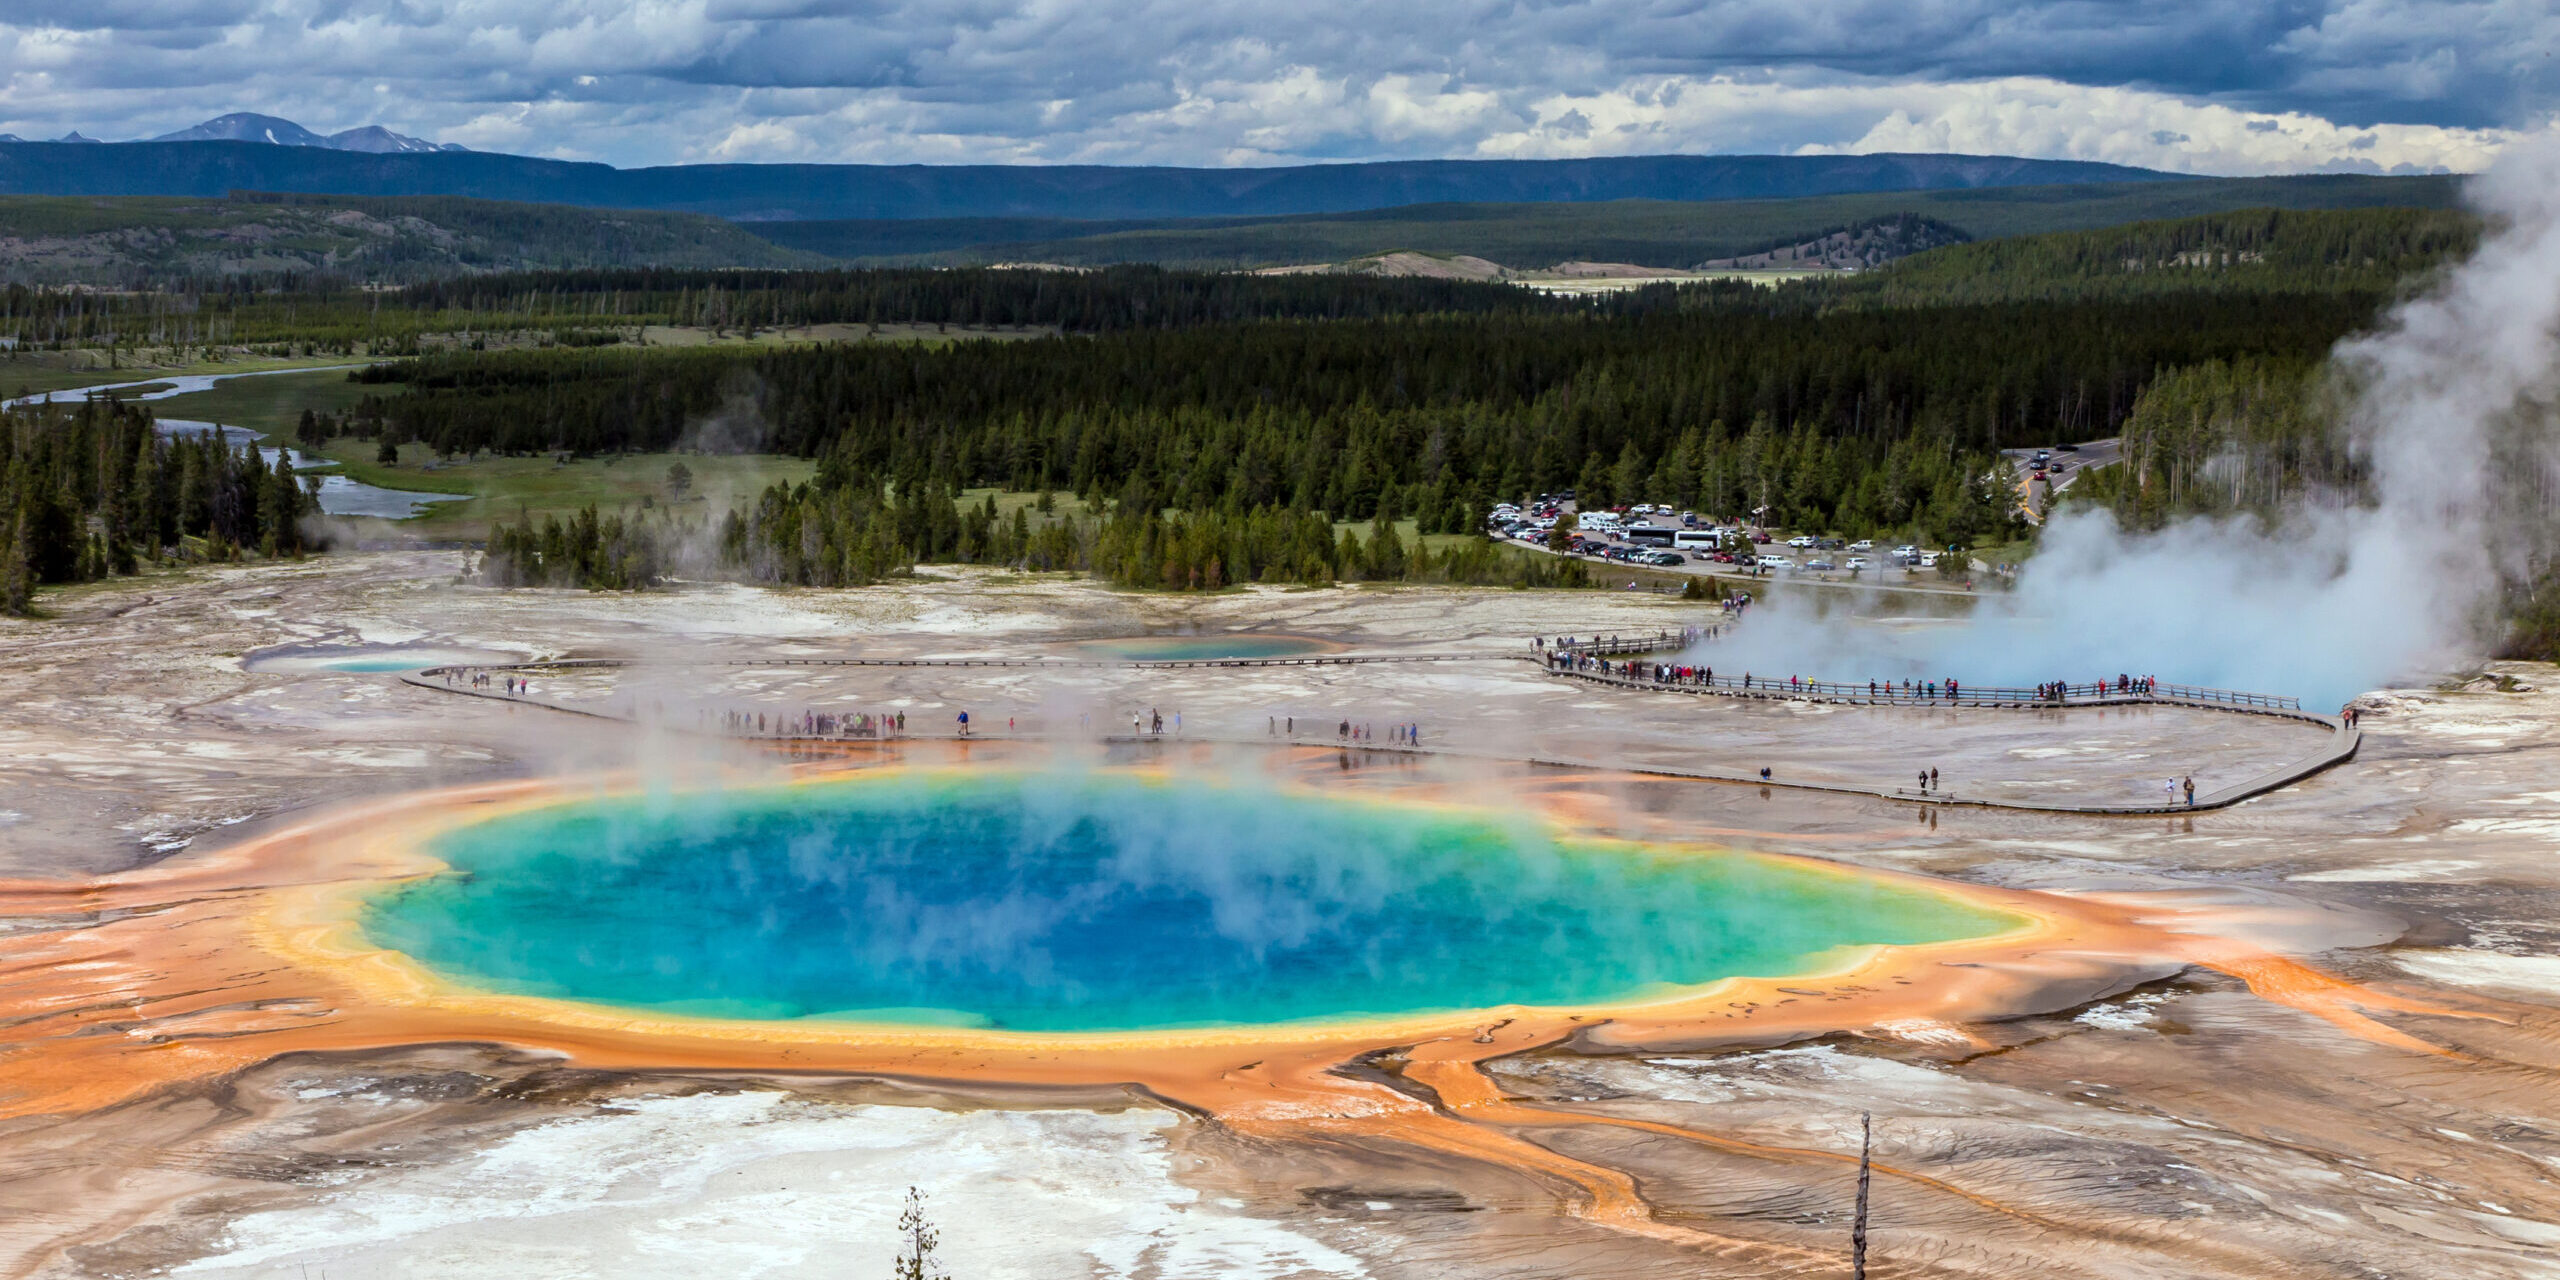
point(1822, 417)
point(2359, 252)
point(296, 315)
point(2354, 251)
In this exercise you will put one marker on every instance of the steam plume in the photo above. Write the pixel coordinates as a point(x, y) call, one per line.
point(2450, 403)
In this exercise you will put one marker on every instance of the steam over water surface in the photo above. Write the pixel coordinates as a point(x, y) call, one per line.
point(1086, 903)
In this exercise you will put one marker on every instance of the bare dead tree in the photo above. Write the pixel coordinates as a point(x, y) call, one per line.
point(1858, 1225)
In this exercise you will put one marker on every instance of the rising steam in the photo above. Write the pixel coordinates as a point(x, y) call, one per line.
point(2450, 403)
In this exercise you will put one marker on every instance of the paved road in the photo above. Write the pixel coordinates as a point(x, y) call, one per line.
point(2066, 468)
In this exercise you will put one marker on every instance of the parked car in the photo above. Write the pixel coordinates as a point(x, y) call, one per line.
point(1863, 544)
point(1820, 566)
point(1906, 551)
point(1667, 558)
point(1801, 541)
point(1928, 559)
point(1773, 562)
point(1856, 563)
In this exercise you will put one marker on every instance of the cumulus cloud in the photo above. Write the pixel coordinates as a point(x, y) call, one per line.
point(2202, 85)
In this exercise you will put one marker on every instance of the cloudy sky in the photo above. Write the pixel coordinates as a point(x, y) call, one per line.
point(2208, 86)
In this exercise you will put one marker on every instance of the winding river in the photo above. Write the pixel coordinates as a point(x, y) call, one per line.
point(340, 495)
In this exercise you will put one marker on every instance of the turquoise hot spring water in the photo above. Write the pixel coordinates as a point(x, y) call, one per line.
point(1109, 902)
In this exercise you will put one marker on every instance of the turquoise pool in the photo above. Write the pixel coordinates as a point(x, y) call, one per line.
point(1034, 902)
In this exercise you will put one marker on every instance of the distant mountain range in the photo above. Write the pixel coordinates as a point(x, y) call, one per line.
point(262, 153)
point(248, 126)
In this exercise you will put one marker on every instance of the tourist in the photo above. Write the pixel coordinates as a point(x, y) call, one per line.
point(1933, 778)
point(964, 724)
point(1924, 782)
point(2190, 784)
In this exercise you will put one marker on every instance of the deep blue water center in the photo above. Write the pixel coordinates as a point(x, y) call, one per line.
point(1036, 902)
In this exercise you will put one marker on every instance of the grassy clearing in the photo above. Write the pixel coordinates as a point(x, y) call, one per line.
point(69, 370)
point(659, 335)
point(504, 489)
point(273, 404)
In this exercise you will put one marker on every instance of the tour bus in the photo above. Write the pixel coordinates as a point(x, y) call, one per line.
point(1697, 539)
point(1652, 534)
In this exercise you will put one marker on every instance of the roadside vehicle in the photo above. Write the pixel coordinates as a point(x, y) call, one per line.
point(1906, 551)
point(1800, 541)
point(1759, 538)
point(1820, 566)
point(1773, 562)
point(1687, 538)
point(1856, 563)
point(1863, 544)
point(1928, 559)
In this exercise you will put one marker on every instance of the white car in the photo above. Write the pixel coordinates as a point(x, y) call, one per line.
point(1928, 559)
point(1800, 541)
point(1774, 562)
point(1906, 551)
point(1856, 563)
point(1863, 544)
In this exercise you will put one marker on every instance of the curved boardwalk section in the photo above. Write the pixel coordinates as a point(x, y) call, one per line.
point(1582, 664)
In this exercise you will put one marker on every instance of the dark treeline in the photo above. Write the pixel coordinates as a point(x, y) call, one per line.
point(2353, 251)
point(1102, 301)
point(849, 536)
point(1849, 420)
point(92, 490)
point(318, 314)
point(2360, 252)
point(2224, 438)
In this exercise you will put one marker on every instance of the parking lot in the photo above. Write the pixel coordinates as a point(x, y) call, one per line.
point(1801, 558)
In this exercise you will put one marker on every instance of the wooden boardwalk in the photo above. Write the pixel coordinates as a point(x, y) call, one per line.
point(2340, 746)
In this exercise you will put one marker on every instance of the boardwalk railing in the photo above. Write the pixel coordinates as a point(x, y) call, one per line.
point(1915, 694)
point(1573, 655)
point(1611, 646)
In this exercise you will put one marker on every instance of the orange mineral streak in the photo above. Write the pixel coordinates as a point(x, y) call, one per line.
point(210, 963)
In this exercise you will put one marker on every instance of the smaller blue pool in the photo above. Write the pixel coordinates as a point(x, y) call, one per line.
point(291, 658)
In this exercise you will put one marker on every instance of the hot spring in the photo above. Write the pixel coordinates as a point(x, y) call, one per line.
point(1109, 902)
